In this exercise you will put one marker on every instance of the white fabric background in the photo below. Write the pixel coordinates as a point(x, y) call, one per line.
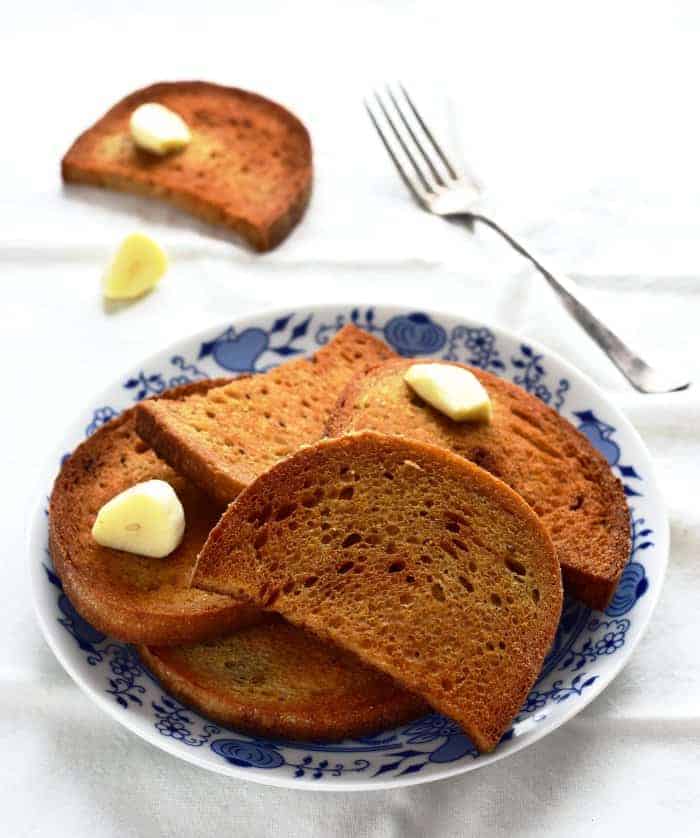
point(583, 118)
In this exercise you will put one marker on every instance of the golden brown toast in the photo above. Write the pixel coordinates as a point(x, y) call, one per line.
point(528, 446)
point(134, 598)
point(277, 680)
point(421, 563)
point(224, 438)
point(247, 167)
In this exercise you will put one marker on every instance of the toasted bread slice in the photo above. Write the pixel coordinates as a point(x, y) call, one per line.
point(528, 446)
point(278, 680)
point(416, 560)
point(248, 165)
point(224, 438)
point(134, 598)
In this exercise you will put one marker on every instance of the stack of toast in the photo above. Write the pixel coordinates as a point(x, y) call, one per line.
point(375, 559)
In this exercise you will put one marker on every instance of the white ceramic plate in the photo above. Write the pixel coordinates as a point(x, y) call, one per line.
point(590, 647)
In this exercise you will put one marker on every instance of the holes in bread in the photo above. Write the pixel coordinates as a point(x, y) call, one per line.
point(311, 499)
point(346, 493)
point(456, 518)
point(389, 475)
point(516, 567)
point(576, 503)
point(310, 581)
point(285, 511)
point(460, 545)
point(452, 526)
point(140, 446)
point(473, 566)
point(496, 600)
point(535, 594)
point(437, 592)
point(260, 540)
point(425, 558)
point(288, 586)
point(353, 538)
point(397, 566)
point(448, 548)
point(345, 567)
point(344, 470)
point(392, 529)
point(262, 517)
point(210, 414)
point(501, 645)
point(466, 584)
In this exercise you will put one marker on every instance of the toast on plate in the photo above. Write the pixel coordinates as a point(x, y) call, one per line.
point(280, 681)
point(416, 560)
point(527, 445)
point(224, 438)
point(134, 598)
point(247, 166)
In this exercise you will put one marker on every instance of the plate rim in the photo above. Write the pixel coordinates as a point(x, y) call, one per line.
point(48, 472)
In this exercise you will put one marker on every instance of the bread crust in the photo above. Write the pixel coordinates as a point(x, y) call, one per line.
point(248, 166)
point(529, 446)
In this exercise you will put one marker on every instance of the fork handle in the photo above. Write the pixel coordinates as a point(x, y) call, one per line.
point(635, 369)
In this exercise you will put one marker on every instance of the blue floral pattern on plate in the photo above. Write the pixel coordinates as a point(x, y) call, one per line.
point(584, 637)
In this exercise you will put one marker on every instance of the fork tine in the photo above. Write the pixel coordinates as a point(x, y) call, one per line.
point(413, 187)
point(451, 169)
point(407, 125)
point(421, 176)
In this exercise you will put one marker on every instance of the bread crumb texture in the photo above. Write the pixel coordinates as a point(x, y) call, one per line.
point(414, 559)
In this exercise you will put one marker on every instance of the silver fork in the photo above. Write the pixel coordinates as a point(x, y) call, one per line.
point(445, 189)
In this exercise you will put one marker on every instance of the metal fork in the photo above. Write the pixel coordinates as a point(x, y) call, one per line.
point(445, 189)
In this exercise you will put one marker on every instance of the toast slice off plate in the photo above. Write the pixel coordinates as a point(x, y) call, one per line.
point(247, 167)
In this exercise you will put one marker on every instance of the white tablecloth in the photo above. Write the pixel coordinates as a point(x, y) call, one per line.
point(584, 121)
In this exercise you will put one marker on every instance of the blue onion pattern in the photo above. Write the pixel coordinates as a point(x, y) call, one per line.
point(248, 754)
point(414, 334)
point(583, 636)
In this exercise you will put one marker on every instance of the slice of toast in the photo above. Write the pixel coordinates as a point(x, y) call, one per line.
point(421, 563)
point(277, 680)
point(247, 167)
point(134, 598)
point(528, 446)
point(224, 438)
